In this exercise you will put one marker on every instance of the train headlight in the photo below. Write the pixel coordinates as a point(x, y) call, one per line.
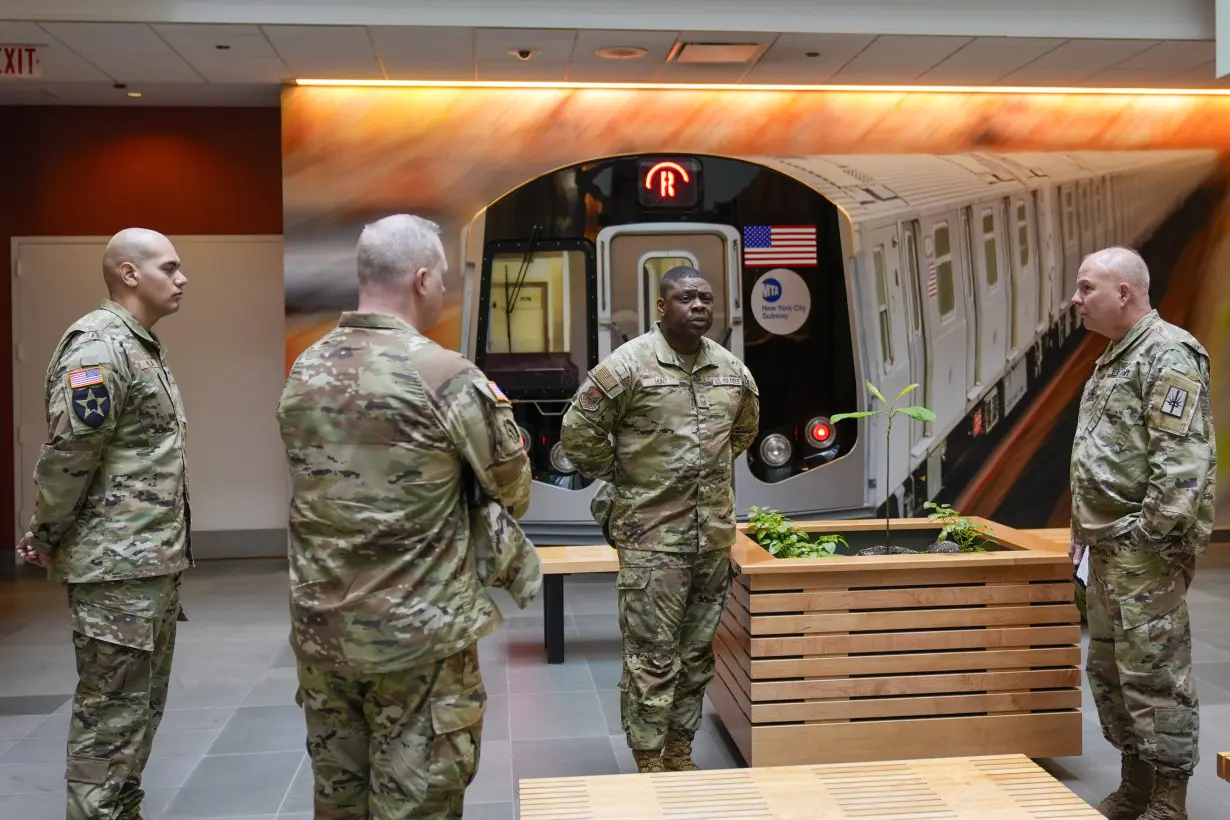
point(560, 462)
point(525, 438)
point(775, 450)
point(820, 433)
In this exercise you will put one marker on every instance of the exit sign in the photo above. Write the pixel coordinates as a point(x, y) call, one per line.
point(20, 61)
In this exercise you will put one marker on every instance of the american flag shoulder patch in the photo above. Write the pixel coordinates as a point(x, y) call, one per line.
point(85, 377)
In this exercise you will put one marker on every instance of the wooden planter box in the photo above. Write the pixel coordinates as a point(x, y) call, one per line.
point(853, 659)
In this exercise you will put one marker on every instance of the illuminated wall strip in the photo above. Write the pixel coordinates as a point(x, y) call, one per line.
point(924, 89)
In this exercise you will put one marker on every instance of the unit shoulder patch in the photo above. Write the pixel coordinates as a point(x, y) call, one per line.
point(1173, 403)
point(92, 404)
point(590, 398)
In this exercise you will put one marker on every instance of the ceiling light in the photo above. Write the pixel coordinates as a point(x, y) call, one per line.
point(621, 52)
point(891, 89)
point(134, 93)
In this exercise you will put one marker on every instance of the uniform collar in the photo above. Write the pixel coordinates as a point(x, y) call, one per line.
point(668, 355)
point(1114, 349)
point(130, 321)
point(377, 321)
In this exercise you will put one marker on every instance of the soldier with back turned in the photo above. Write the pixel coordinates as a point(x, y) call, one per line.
point(392, 440)
point(662, 420)
point(1143, 474)
point(111, 519)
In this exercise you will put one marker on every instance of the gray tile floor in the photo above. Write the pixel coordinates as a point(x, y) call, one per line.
point(232, 742)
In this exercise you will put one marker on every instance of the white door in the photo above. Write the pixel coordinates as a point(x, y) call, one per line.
point(891, 357)
point(991, 287)
point(944, 320)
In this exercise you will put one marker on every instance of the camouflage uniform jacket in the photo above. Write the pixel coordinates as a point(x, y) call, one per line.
point(666, 441)
point(112, 483)
point(382, 428)
point(1144, 464)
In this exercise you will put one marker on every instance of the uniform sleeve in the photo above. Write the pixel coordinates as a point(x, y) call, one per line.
point(480, 422)
point(1179, 425)
point(85, 392)
point(747, 420)
point(592, 418)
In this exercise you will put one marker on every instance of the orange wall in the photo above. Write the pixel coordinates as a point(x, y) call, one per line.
point(92, 171)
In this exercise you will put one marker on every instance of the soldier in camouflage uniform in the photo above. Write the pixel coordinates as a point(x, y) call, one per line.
point(1143, 472)
point(111, 520)
point(662, 420)
point(382, 428)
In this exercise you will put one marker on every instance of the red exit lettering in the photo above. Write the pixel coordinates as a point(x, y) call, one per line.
point(20, 61)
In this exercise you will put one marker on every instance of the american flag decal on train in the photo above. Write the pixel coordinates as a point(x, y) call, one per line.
point(85, 377)
point(932, 288)
point(769, 246)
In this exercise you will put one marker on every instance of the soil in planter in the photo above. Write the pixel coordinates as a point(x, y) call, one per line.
point(901, 542)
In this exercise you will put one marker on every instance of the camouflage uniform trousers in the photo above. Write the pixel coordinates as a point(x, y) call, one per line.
point(124, 637)
point(1142, 683)
point(394, 746)
point(669, 608)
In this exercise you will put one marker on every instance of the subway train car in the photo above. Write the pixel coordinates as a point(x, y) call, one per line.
point(950, 271)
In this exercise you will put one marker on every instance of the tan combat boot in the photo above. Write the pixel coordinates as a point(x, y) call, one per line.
point(648, 761)
point(1169, 800)
point(1130, 799)
point(678, 754)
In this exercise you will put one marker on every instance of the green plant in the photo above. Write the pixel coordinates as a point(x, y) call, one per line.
point(783, 539)
point(962, 531)
point(918, 413)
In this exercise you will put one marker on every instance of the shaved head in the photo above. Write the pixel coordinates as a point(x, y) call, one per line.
point(134, 246)
point(143, 275)
point(1123, 264)
point(1112, 291)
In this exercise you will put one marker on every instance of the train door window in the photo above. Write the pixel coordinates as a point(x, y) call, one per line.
point(911, 261)
point(1022, 234)
point(945, 287)
point(654, 266)
point(535, 326)
point(886, 331)
point(990, 249)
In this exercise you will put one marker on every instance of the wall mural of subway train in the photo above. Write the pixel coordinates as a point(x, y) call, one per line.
point(902, 251)
point(950, 271)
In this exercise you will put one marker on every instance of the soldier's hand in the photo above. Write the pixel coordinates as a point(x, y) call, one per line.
point(1076, 551)
point(30, 554)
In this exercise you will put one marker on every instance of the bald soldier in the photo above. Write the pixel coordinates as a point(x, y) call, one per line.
point(111, 519)
point(384, 431)
point(1143, 476)
point(662, 419)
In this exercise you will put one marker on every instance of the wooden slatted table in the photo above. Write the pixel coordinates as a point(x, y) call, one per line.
point(1001, 787)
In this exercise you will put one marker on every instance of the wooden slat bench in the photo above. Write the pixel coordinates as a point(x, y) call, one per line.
point(1001, 787)
point(556, 563)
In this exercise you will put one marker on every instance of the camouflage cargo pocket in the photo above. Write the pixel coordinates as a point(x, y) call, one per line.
point(457, 721)
point(112, 626)
point(1174, 734)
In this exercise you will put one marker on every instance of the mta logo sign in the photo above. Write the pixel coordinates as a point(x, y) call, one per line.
point(770, 290)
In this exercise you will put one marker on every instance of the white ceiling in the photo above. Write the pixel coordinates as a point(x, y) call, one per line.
point(182, 64)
